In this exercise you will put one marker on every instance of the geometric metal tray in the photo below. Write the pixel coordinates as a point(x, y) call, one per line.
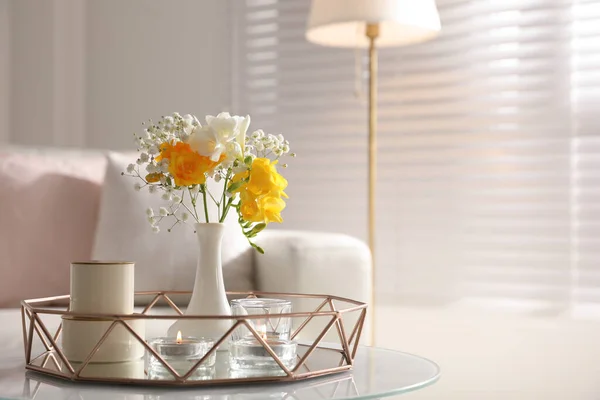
point(318, 318)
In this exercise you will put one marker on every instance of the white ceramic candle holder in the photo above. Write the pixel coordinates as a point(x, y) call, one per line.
point(101, 287)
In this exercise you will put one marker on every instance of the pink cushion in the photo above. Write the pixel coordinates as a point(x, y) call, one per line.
point(48, 211)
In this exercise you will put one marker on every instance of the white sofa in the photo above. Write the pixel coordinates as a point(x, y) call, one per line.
point(296, 261)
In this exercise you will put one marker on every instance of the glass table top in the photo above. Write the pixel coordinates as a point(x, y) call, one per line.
point(378, 373)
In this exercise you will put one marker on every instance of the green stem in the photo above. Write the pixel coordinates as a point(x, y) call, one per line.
point(194, 213)
point(204, 202)
point(221, 217)
point(226, 210)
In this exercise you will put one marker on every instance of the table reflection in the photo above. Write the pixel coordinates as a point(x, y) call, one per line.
point(38, 386)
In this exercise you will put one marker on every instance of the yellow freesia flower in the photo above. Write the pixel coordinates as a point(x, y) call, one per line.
point(261, 196)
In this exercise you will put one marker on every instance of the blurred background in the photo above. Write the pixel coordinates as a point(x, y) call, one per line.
point(488, 245)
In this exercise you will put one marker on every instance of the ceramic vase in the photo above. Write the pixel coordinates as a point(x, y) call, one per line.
point(208, 296)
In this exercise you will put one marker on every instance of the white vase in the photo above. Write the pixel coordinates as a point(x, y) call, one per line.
point(208, 297)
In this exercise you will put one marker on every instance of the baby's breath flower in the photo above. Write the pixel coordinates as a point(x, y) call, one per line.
point(217, 178)
point(166, 196)
point(257, 134)
point(153, 150)
point(285, 148)
point(149, 212)
point(163, 180)
point(144, 157)
point(151, 168)
point(163, 211)
point(152, 189)
point(176, 199)
point(130, 168)
point(164, 166)
point(195, 189)
point(184, 216)
point(137, 187)
point(155, 229)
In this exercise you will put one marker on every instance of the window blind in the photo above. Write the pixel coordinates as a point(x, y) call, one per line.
point(489, 147)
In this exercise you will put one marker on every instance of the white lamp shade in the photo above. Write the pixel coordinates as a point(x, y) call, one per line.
point(342, 23)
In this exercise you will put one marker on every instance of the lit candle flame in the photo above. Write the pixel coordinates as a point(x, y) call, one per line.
point(179, 340)
point(263, 332)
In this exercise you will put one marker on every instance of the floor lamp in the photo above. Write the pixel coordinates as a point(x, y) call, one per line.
point(372, 24)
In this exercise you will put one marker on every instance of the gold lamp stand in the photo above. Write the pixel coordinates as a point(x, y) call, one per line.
point(372, 33)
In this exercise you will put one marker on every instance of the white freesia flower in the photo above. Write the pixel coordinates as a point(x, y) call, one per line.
point(189, 122)
point(239, 168)
point(233, 151)
point(163, 212)
point(211, 140)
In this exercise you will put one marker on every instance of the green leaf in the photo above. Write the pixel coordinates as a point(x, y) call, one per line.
point(248, 160)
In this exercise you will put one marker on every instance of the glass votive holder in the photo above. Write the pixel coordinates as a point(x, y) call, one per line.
point(181, 354)
point(245, 351)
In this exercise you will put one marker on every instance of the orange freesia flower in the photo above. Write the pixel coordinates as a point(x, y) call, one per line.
point(165, 151)
point(186, 166)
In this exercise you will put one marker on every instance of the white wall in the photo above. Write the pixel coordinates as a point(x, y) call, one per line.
point(146, 59)
point(87, 73)
point(4, 71)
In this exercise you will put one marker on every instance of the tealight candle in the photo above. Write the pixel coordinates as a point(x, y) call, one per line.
point(181, 353)
point(246, 351)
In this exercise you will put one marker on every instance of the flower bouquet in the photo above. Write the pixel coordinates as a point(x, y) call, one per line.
point(177, 156)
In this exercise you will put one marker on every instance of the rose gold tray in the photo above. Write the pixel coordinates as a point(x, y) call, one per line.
point(322, 333)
